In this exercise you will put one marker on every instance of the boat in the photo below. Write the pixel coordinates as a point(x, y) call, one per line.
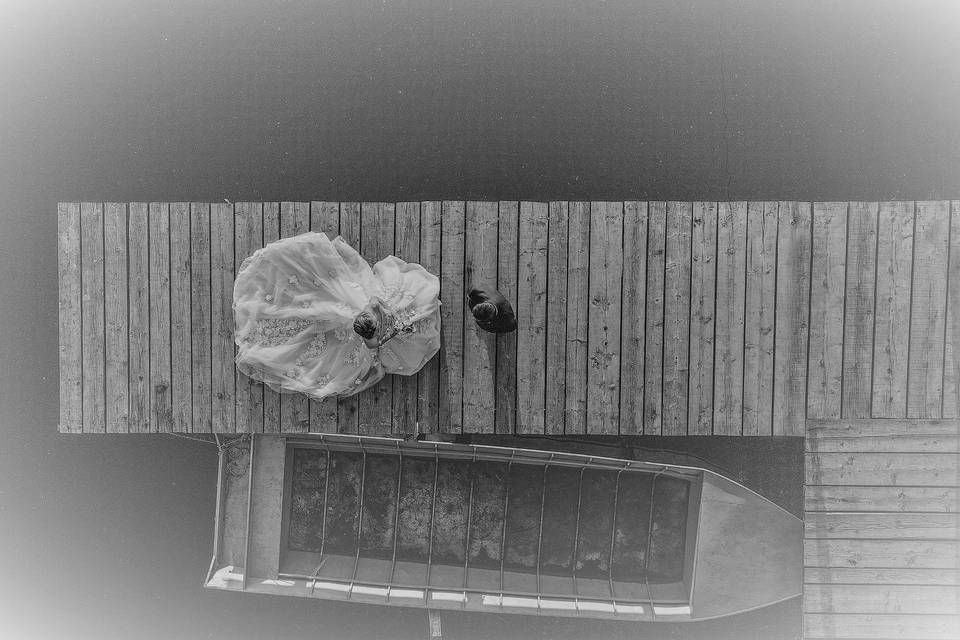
point(444, 525)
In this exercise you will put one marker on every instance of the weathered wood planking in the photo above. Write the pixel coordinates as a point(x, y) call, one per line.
point(654, 334)
point(407, 247)
point(864, 626)
point(324, 218)
point(92, 320)
point(827, 293)
point(884, 469)
point(348, 414)
point(578, 312)
point(161, 403)
point(702, 323)
point(508, 229)
point(859, 310)
point(200, 316)
point(222, 352)
point(854, 575)
point(556, 319)
point(731, 299)
point(951, 351)
point(883, 526)
point(886, 554)
point(271, 399)
point(180, 328)
point(70, 301)
point(793, 318)
point(928, 310)
point(428, 380)
point(531, 317)
point(881, 599)
point(138, 320)
point(633, 319)
point(606, 272)
point(759, 330)
point(892, 333)
point(676, 318)
point(451, 317)
point(882, 499)
point(248, 237)
point(479, 346)
point(115, 310)
point(377, 240)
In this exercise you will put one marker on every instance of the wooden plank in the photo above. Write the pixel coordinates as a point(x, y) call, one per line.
point(875, 598)
point(892, 321)
point(896, 526)
point(887, 554)
point(859, 311)
point(758, 343)
point(508, 241)
point(324, 218)
point(606, 274)
point(531, 316)
point(731, 301)
point(890, 427)
point(71, 334)
point(676, 318)
point(428, 383)
point(793, 318)
point(115, 305)
point(864, 626)
point(703, 301)
point(850, 575)
point(200, 316)
point(578, 313)
point(138, 319)
point(376, 403)
point(479, 346)
point(654, 348)
point(899, 443)
point(271, 399)
point(451, 317)
point(407, 247)
point(161, 402)
point(222, 351)
point(294, 407)
point(92, 317)
point(555, 383)
point(827, 289)
point(248, 237)
point(892, 499)
point(951, 351)
point(633, 320)
point(180, 340)
point(883, 469)
point(928, 310)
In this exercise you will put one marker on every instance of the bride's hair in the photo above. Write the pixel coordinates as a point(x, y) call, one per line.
point(485, 311)
point(365, 325)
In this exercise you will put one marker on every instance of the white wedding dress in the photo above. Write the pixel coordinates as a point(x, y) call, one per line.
point(294, 304)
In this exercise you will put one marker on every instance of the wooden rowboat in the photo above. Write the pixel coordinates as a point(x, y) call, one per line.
point(474, 527)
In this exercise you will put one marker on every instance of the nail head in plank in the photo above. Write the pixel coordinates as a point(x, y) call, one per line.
point(71, 335)
point(248, 237)
point(859, 312)
point(407, 247)
point(531, 316)
point(180, 325)
point(731, 294)
point(827, 288)
point(703, 300)
point(161, 401)
point(928, 310)
point(428, 380)
point(556, 320)
point(606, 279)
point(676, 318)
point(654, 334)
point(758, 343)
point(451, 322)
point(479, 346)
point(793, 318)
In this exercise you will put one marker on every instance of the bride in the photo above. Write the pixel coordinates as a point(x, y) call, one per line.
point(312, 316)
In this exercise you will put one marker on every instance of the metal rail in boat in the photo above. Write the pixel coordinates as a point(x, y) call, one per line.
point(486, 528)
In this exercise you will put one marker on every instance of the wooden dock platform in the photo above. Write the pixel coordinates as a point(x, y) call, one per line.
point(882, 529)
point(672, 318)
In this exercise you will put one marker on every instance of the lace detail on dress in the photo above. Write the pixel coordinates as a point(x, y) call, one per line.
point(353, 357)
point(274, 332)
point(314, 347)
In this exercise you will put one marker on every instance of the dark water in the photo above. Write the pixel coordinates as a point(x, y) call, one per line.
point(109, 537)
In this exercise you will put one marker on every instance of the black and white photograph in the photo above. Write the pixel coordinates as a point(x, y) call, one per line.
point(480, 319)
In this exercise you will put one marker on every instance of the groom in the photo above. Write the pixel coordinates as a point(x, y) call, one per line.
point(491, 310)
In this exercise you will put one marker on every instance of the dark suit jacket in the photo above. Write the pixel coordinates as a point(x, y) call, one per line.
point(506, 320)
